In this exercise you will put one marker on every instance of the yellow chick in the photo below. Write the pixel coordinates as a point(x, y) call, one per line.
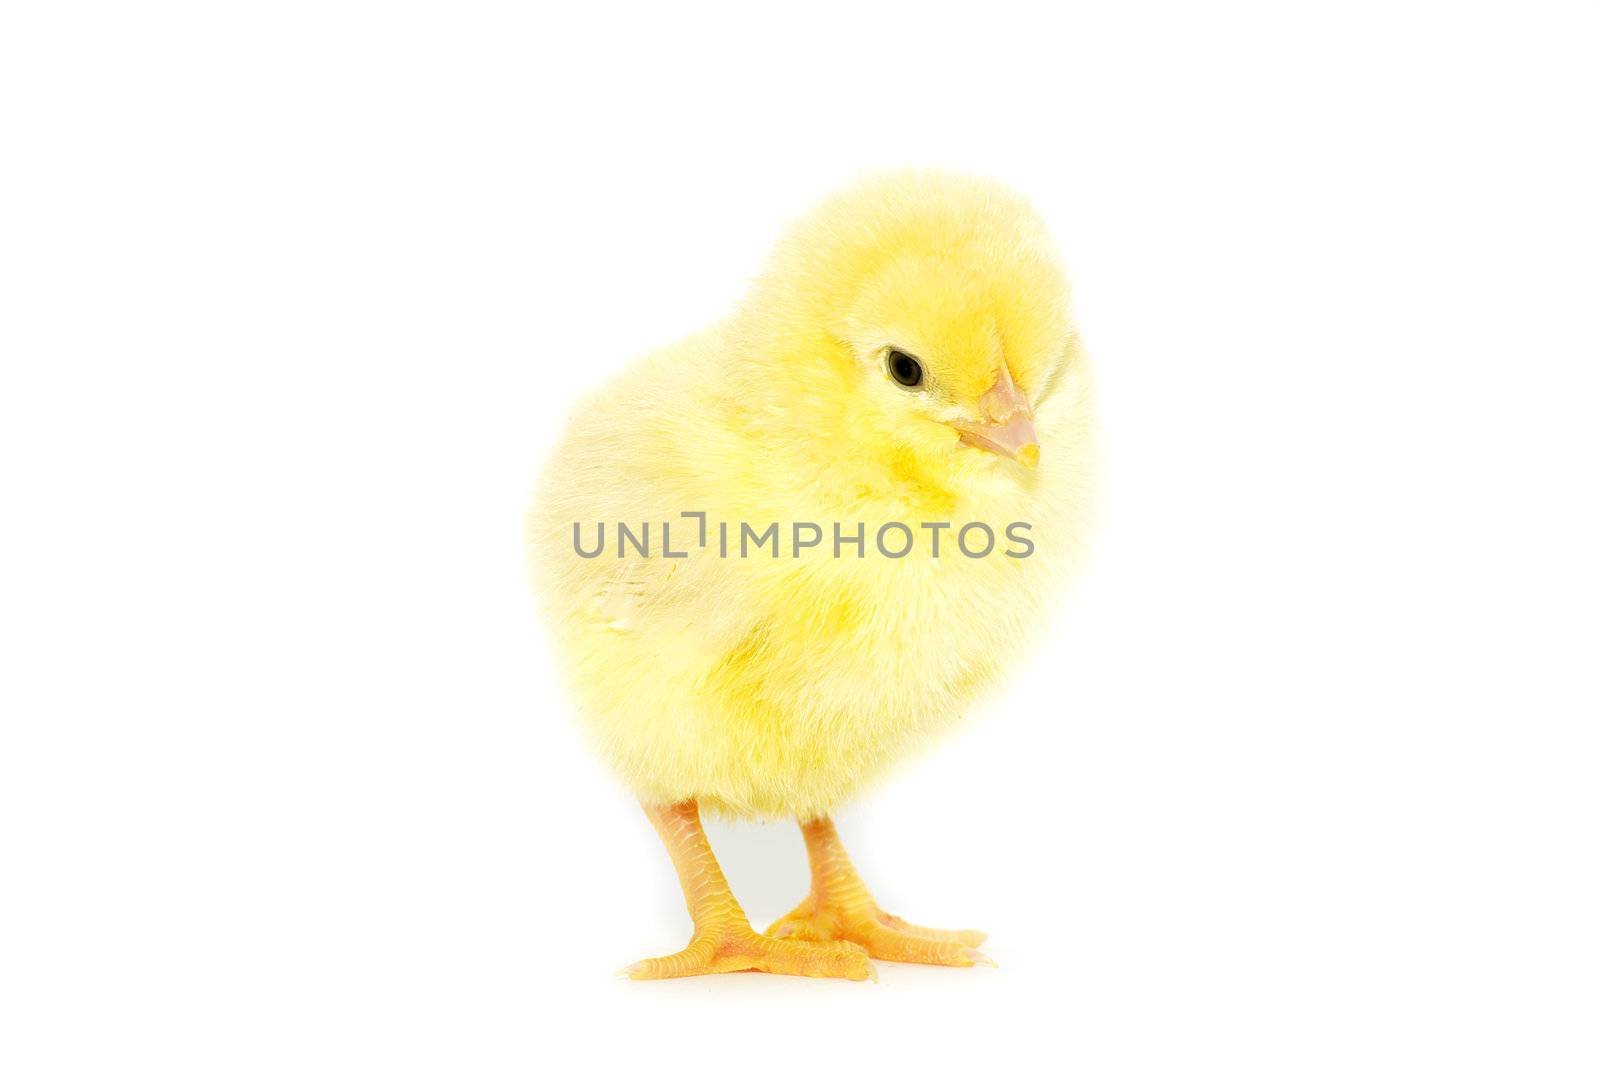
point(785, 552)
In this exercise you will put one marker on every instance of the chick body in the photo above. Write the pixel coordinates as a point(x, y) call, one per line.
point(765, 686)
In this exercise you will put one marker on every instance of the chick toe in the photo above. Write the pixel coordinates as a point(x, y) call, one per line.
point(742, 949)
point(871, 931)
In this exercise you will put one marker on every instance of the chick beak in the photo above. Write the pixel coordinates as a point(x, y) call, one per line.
point(1007, 424)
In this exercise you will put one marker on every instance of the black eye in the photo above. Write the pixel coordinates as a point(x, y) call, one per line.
point(904, 369)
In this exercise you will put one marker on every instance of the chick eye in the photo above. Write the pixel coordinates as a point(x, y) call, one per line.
point(904, 369)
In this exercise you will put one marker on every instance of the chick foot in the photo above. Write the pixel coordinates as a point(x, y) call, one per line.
point(881, 935)
point(723, 941)
point(841, 909)
point(745, 950)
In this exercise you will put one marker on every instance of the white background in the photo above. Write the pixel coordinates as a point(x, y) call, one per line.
point(294, 297)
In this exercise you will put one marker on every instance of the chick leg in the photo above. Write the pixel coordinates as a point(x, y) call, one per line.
point(841, 909)
point(723, 940)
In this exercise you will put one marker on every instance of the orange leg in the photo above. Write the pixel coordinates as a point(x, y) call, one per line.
point(723, 940)
point(841, 909)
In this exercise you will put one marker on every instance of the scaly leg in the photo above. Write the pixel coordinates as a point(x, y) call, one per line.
point(723, 940)
point(841, 909)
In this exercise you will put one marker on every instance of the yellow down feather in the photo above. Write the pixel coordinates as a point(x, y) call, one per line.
point(782, 686)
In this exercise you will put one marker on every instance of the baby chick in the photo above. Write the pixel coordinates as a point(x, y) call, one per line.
point(906, 366)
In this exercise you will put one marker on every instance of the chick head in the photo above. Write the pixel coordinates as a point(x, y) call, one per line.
point(939, 302)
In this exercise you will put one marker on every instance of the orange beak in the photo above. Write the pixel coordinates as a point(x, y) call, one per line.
point(1007, 424)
